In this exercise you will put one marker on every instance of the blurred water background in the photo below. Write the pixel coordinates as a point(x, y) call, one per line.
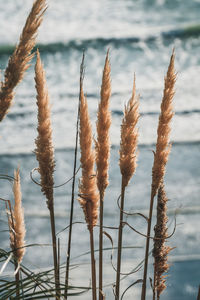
point(140, 35)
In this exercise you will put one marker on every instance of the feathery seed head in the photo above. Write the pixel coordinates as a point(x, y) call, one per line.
point(163, 146)
point(18, 231)
point(102, 145)
point(89, 197)
point(20, 59)
point(44, 146)
point(129, 138)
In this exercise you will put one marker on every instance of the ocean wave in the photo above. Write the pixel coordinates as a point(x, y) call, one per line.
point(25, 152)
point(78, 44)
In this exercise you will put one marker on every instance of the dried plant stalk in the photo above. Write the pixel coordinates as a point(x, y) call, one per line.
point(45, 154)
point(162, 152)
point(160, 251)
point(102, 155)
point(20, 59)
point(89, 197)
point(128, 147)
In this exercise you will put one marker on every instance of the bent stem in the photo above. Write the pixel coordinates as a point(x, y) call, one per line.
point(120, 233)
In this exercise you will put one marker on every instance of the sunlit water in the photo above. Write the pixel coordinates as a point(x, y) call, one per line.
point(140, 35)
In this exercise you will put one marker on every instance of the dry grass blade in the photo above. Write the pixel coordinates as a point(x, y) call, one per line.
point(160, 251)
point(20, 59)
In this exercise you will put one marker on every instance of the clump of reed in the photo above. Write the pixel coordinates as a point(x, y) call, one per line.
point(94, 180)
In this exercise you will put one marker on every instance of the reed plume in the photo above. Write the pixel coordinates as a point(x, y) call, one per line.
point(16, 221)
point(160, 251)
point(162, 152)
point(44, 146)
point(102, 154)
point(45, 153)
point(20, 59)
point(103, 126)
point(129, 138)
point(17, 228)
point(127, 162)
point(89, 197)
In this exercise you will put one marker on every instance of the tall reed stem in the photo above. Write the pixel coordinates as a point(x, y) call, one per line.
point(55, 256)
point(93, 267)
point(73, 183)
point(17, 280)
point(119, 251)
point(101, 246)
point(147, 248)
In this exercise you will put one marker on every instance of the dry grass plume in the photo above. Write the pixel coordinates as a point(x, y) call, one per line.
point(18, 231)
point(20, 59)
point(129, 138)
point(103, 126)
point(163, 146)
point(89, 197)
point(44, 147)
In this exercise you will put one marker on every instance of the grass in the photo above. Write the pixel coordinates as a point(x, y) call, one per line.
point(94, 160)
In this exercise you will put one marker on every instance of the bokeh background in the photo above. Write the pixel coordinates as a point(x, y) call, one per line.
point(141, 36)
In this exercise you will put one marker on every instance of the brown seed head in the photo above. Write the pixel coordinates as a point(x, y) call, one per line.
point(163, 146)
point(18, 231)
point(129, 138)
point(44, 147)
point(89, 197)
point(103, 124)
point(20, 59)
